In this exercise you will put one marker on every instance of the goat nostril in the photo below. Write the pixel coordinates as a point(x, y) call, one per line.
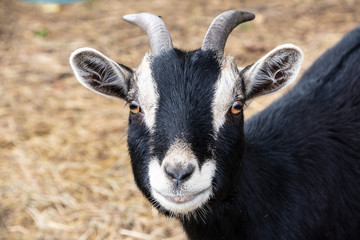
point(179, 173)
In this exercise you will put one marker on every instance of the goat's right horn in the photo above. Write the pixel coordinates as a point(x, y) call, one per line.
point(155, 28)
point(222, 26)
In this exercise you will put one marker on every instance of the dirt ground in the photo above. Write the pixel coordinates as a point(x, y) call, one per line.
point(64, 168)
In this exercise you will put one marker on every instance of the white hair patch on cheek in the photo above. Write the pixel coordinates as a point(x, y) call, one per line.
point(147, 91)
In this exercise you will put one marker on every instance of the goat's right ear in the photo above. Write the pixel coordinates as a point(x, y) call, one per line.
point(99, 73)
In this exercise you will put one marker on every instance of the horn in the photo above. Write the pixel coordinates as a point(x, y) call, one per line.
point(222, 26)
point(155, 28)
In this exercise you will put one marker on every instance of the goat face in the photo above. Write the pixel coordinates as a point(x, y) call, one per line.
point(181, 136)
point(185, 132)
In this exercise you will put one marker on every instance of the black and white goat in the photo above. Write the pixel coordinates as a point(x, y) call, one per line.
point(290, 172)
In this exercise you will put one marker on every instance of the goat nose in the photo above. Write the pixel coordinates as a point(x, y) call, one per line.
point(178, 173)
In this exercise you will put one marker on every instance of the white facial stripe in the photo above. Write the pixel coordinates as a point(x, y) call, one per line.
point(224, 93)
point(197, 188)
point(147, 91)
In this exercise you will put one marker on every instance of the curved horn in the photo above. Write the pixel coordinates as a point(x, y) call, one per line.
point(155, 28)
point(222, 26)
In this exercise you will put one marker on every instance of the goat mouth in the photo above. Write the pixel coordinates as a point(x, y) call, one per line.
point(180, 199)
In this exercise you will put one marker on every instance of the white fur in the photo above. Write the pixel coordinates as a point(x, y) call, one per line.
point(198, 188)
point(147, 92)
point(224, 93)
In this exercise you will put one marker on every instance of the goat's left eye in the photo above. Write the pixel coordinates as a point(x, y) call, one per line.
point(134, 107)
point(236, 107)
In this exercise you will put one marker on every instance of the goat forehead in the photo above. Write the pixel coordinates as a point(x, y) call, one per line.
point(184, 75)
point(185, 85)
point(185, 81)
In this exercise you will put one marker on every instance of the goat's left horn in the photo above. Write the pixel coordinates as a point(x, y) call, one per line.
point(155, 28)
point(221, 27)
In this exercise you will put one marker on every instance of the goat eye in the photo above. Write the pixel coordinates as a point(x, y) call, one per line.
point(237, 107)
point(134, 107)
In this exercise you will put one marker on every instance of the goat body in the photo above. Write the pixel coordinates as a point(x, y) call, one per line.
point(290, 172)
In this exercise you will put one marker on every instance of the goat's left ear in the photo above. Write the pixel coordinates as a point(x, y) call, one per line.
point(273, 72)
point(99, 73)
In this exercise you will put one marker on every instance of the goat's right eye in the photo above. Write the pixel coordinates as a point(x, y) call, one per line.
point(134, 107)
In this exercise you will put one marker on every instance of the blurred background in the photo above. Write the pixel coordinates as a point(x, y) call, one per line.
point(64, 168)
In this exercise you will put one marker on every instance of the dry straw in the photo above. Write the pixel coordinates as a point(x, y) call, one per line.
point(64, 168)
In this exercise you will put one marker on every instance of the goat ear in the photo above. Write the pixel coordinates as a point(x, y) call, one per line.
point(99, 73)
point(273, 72)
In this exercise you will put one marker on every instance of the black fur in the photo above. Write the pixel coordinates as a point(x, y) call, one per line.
point(300, 172)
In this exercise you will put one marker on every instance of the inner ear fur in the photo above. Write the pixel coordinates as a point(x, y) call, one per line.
point(274, 71)
point(99, 73)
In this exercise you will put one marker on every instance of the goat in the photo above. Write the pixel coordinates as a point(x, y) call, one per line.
point(290, 172)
